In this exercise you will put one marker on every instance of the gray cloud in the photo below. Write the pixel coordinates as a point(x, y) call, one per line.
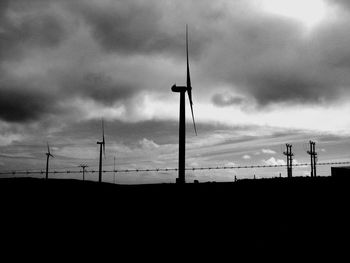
point(266, 59)
point(20, 103)
point(123, 28)
point(97, 86)
point(103, 89)
point(339, 3)
point(273, 60)
point(130, 27)
point(38, 27)
point(136, 27)
point(223, 100)
point(271, 87)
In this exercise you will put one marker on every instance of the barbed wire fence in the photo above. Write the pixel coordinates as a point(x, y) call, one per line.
point(78, 171)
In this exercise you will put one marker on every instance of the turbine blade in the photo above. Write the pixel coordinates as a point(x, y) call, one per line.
point(103, 131)
point(189, 92)
point(188, 64)
point(48, 148)
point(189, 85)
point(103, 139)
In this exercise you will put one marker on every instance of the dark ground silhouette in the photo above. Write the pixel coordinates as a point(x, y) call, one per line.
point(281, 216)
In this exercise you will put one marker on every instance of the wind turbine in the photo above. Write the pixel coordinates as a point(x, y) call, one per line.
point(114, 171)
point(102, 145)
point(182, 119)
point(48, 155)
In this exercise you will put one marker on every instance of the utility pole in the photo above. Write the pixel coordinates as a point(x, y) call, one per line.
point(313, 158)
point(289, 155)
point(83, 166)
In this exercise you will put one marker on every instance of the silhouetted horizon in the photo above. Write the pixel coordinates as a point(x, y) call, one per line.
point(267, 217)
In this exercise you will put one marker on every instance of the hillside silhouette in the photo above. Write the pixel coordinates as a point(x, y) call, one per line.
point(280, 214)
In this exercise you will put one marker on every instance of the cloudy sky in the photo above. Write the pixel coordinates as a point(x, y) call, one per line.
point(264, 73)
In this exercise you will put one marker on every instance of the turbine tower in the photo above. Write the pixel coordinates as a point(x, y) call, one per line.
point(102, 146)
point(182, 119)
point(48, 155)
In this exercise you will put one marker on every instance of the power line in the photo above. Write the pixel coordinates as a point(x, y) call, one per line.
point(18, 172)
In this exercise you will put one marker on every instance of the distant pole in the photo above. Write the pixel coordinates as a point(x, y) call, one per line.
point(315, 158)
point(290, 161)
point(83, 166)
point(312, 160)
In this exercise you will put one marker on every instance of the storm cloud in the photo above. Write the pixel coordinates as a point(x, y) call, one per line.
point(21, 100)
point(25, 25)
point(21, 105)
point(110, 52)
point(274, 60)
point(98, 87)
point(129, 27)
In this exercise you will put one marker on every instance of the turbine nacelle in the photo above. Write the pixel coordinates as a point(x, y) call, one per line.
point(175, 88)
point(48, 154)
